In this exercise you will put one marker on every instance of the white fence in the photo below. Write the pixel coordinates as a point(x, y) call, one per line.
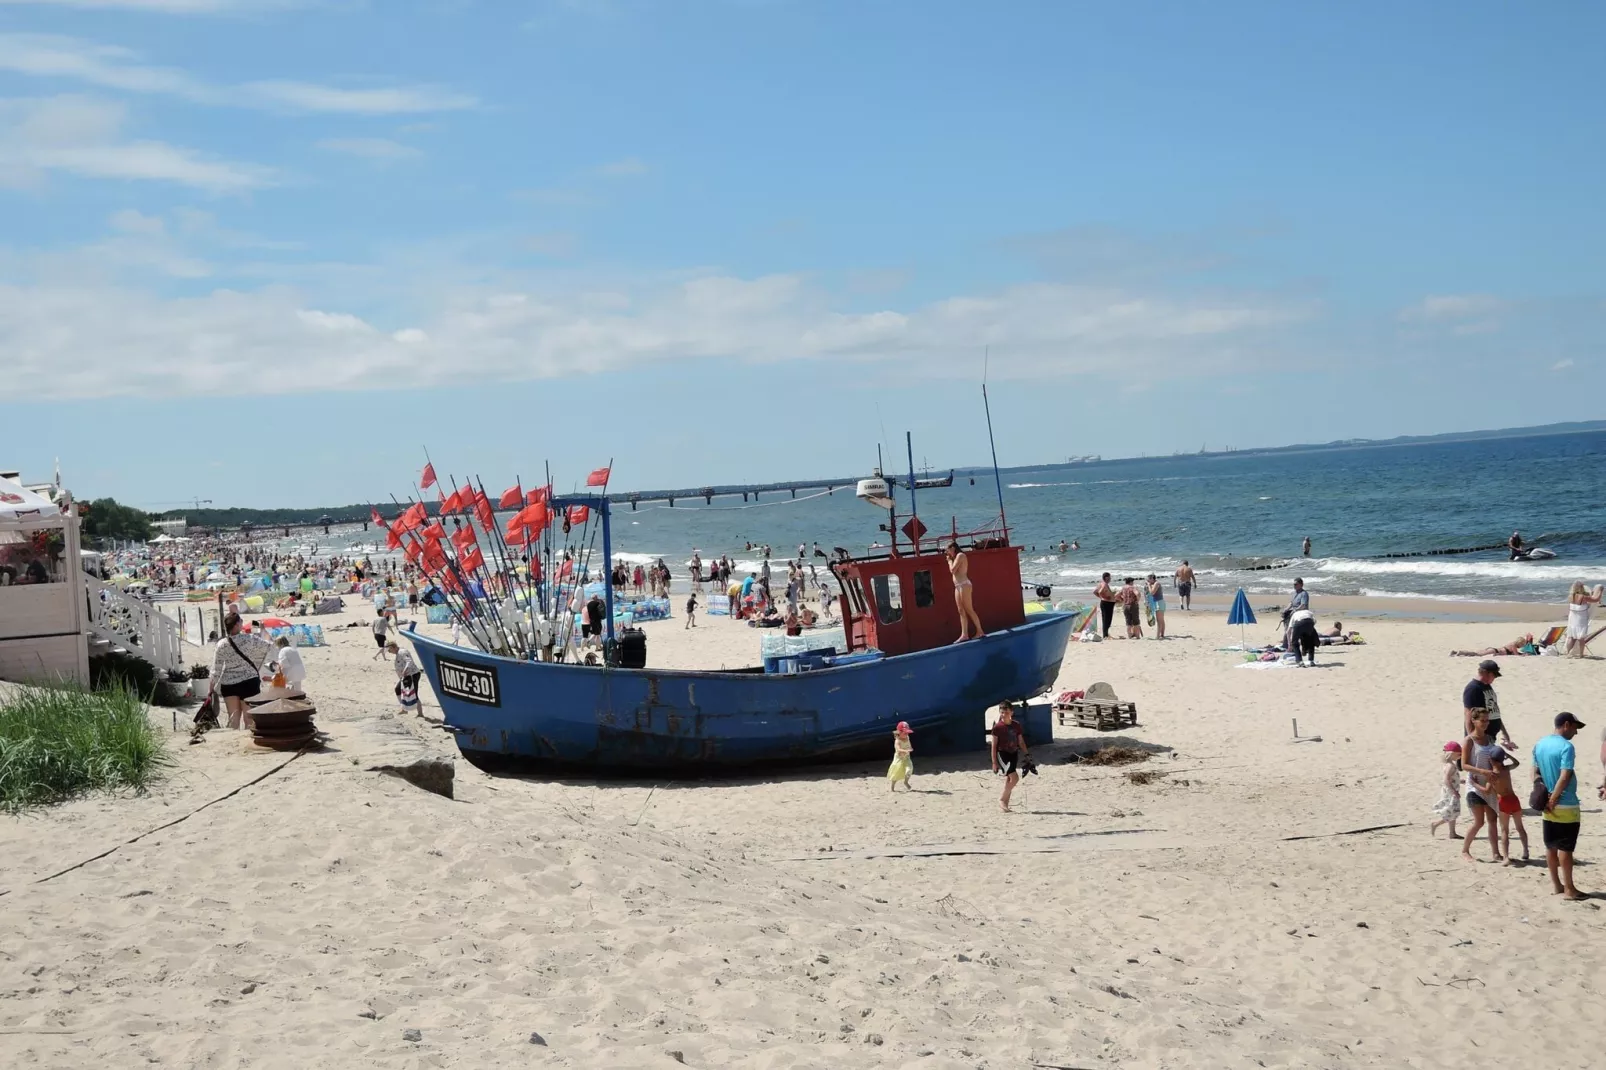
point(134, 625)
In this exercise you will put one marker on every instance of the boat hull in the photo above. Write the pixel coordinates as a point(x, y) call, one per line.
point(506, 712)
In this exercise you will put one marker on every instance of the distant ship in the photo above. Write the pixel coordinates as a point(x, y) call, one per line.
point(1090, 458)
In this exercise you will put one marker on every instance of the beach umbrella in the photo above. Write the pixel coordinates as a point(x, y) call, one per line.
point(1241, 614)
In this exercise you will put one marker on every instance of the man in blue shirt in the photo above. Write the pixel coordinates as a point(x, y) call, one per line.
point(1301, 598)
point(1554, 760)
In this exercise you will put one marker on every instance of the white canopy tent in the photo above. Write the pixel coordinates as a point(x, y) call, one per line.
point(18, 502)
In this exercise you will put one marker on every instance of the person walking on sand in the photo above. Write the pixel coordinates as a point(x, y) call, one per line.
point(381, 631)
point(1448, 809)
point(1128, 594)
point(903, 765)
point(1107, 600)
point(1156, 595)
point(1009, 747)
point(407, 674)
point(1479, 694)
point(1184, 582)
point(1301, 599)
point(237, 668)
point(1480, 755)
point(691, 611)
point(1554, 764)
point(959, 567)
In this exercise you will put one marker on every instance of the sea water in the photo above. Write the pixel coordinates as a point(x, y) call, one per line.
point(1239, 519)
point(1230, 516)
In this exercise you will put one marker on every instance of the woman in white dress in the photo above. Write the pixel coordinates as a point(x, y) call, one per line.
point(1579, 602)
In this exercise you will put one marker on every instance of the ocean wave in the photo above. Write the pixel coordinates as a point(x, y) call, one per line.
point(1031, 486)
point(1369, 592)
point(1533, 572)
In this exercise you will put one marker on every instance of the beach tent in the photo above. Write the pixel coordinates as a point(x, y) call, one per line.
point(1241, 614)
point(17, 501)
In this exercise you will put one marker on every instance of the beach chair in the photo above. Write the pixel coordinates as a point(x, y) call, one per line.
point(1097, 708)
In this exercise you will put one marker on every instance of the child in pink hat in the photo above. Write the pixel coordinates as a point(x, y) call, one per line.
point(1448, 808)
point(903, 765)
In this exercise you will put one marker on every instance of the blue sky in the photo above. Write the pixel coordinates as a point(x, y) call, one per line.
point(267, 251)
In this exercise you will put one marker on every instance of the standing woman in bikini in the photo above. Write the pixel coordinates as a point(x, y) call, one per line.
point(959, 565)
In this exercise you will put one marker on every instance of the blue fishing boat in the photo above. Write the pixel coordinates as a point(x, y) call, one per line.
point(902, 662)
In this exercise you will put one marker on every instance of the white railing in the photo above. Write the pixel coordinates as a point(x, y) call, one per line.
point(135, 625)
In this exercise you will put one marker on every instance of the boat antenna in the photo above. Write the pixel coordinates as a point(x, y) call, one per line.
point(914, 513)
point(986, 408)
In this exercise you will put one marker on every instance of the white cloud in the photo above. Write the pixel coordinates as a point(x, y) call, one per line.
point(556, 243)
point(110, 330)
point(50, 56)
point(370, 148)
point(1561, 365)
point(132, 221)
point(82, 136)
point(1440, 308)
point(622, 168)
point(398, 100)
point(112, 67)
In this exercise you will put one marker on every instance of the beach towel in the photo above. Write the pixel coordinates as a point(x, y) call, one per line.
point(407, 692)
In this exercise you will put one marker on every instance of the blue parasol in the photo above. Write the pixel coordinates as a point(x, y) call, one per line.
point(1241, 614)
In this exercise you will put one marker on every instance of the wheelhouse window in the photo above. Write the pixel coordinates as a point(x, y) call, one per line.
point(925, 595)
point(888, 599)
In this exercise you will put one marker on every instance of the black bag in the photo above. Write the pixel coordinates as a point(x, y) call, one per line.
point(1539, 797)
point(206, 716)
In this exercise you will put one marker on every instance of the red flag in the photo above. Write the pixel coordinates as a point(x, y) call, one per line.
point(413, 517)
point(463, 538)
point(567, 568)
point(377, 518)
point(599, 478)
point(449, 581)
point(393, 538)
point(413, 551)
point(534, 518)
point(511, 497)
point(434, 533)
point(428, 478)
point(579, 514)
point(536, 496)
point(434, 557)
point(482, 513)
point(474, 560)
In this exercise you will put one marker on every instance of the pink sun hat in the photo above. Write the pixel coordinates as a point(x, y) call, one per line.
point(903, 726)
point(1452, 746)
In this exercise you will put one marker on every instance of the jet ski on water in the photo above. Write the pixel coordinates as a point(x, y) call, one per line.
point(1520, 552)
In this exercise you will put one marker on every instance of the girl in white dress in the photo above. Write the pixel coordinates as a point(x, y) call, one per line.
point(1579, 603)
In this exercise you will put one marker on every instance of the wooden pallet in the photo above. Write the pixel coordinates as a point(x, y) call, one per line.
point(1104, 716)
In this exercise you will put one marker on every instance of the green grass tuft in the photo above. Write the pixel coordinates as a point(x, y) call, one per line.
point(57, 742)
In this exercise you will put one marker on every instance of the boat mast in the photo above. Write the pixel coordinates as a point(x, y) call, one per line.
point(997, 480)
point(914, 511)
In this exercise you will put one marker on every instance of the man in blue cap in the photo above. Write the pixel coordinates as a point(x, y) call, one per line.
point(1554, 760)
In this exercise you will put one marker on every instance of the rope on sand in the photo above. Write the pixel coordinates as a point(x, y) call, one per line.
point(175, 821)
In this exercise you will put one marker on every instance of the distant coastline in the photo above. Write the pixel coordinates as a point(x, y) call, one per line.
point(358, 512)
point(1576, 427)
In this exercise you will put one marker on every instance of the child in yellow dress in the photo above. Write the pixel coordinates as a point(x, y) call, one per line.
point(902, 764)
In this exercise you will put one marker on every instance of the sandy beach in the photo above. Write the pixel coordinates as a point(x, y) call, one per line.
point(1215, 916)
